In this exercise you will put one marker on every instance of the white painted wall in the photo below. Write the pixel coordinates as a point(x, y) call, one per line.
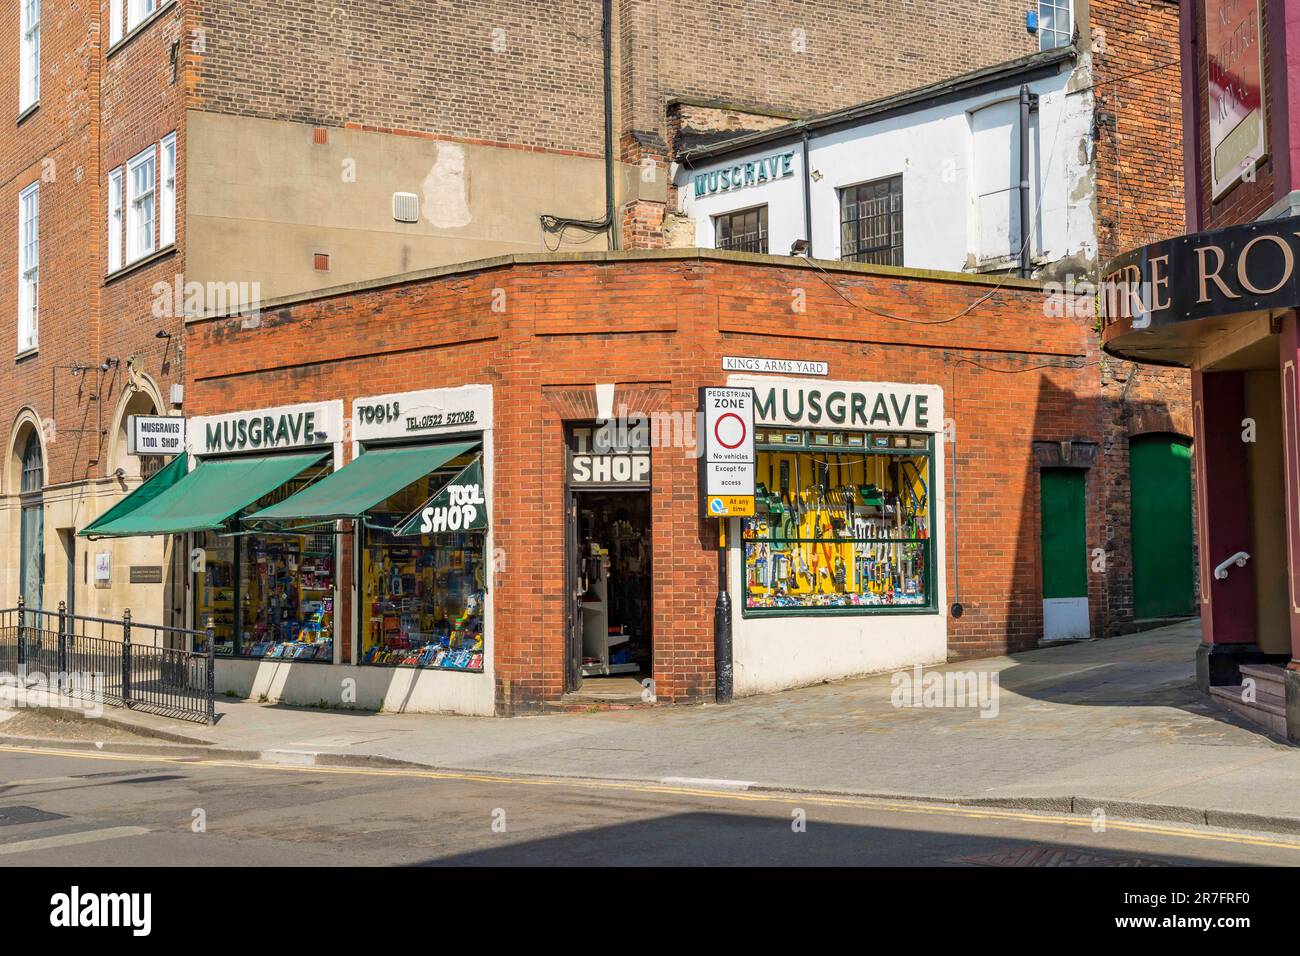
point(947, 155)
point(773, 653)
point(409, 690)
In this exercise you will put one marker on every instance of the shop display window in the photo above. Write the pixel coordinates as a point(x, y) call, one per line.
point(422, 595)
point(269, 594)
point(287, 597)
point(842, 524)
point(214, 591)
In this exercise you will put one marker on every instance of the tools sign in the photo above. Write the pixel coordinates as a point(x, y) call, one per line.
point(728, 462)
point(613, 454)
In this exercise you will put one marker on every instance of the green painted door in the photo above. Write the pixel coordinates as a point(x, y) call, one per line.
point(1065, 558)
point(1160, 476)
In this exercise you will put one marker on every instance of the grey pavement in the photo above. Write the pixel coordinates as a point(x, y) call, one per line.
point(1117, 724)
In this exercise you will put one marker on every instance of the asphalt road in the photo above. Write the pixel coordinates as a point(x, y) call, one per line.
point(68, 809)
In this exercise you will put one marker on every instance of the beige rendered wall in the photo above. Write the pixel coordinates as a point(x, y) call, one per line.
point(1268, 558)
point(71, 506)
point(263, 199)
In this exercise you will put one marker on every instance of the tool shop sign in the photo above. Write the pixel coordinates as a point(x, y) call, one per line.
point(155, 435)
point(433, 411)
point(612, 455)
point(729, 459)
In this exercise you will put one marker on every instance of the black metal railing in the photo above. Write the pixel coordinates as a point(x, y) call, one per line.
point(115, 661)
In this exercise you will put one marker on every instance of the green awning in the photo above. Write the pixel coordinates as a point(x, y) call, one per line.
point(206, 497)
point(150, 489)
point(363, 483)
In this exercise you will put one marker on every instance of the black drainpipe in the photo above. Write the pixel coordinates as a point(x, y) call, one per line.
point(807, 198)
point(559, 223)
point(607, 31)
point(1028, 103)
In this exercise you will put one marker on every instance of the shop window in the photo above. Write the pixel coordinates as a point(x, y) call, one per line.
point(843, 524)
point(422, 593)
point(1055, 24)
point(270, 594)
point(744, 231)
point(871, 222)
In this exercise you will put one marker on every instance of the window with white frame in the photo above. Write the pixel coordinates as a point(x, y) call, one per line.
point(115, 220)
point(125, 15)
point(167, 215)
point(1055, 24)
point(140, 195)
point(29, 266)
point(29, 67)
point(138, 10)
point(142, 204)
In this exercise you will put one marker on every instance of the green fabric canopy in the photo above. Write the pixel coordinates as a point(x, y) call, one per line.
point(363, 483)
point(206, 497)
point(150, 489)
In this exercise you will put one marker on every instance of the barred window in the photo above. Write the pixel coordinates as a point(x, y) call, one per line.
point(871, 222)
point(744, 231)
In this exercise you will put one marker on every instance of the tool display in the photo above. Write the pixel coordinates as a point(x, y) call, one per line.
point(855, 535)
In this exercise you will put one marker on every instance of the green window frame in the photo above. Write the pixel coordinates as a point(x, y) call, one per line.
point(858, 541)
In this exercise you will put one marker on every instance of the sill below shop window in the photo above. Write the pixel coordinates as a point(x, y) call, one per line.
point(140, 27)
point(140, 263)
point(24, 113)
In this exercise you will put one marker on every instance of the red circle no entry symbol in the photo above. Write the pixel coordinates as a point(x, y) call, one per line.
point(729, 430)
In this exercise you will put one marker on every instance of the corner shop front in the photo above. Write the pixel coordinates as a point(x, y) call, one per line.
point(617, 338)
point(361, 584)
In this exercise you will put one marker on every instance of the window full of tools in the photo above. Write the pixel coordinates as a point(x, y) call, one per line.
point(422, 595)
point(842, 523)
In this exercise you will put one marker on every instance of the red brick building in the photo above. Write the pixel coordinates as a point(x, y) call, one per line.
point(543, 332)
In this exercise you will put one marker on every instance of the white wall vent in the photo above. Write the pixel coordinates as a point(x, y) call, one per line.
point(406, 207)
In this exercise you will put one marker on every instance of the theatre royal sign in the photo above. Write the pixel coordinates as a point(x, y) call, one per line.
point(1246, 268)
